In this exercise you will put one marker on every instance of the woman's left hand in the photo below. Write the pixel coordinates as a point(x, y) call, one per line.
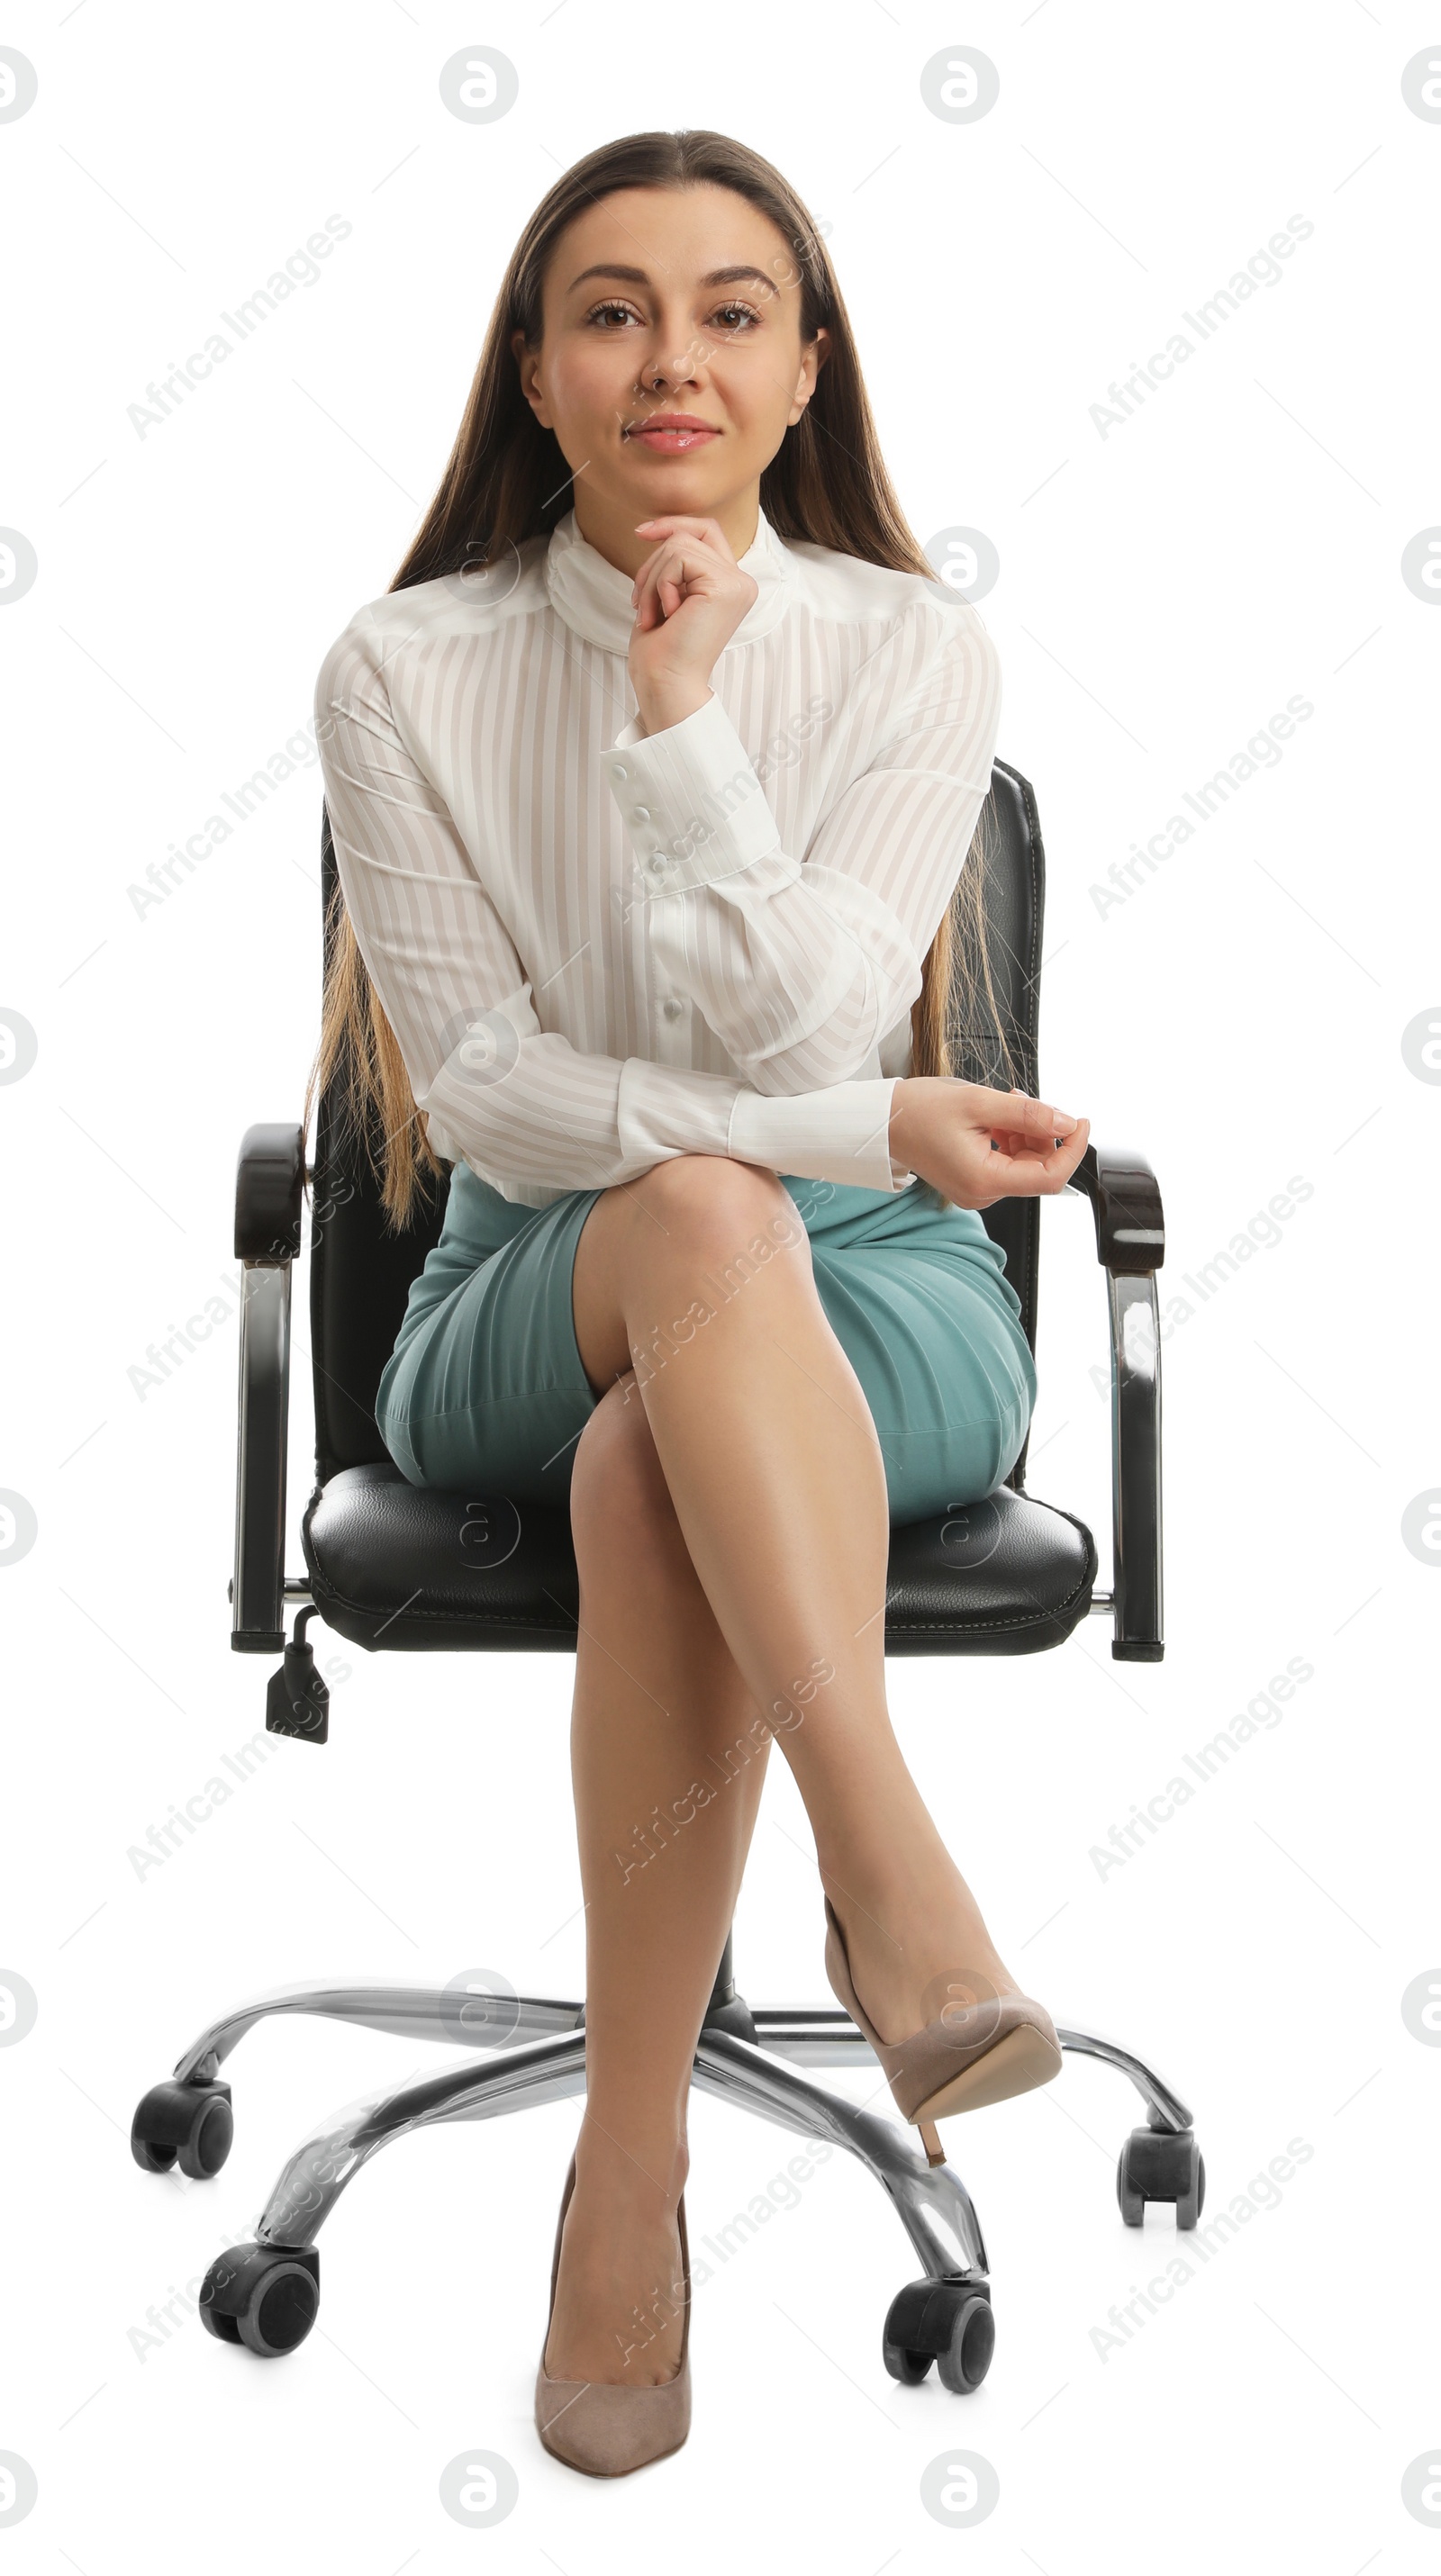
point(690, 596)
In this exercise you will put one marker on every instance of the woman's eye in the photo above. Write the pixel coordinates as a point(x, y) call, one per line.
point(730, 317)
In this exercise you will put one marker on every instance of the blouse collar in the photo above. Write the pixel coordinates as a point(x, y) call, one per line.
point(593, 595)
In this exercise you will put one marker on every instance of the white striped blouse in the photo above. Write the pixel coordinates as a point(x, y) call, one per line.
point(599, 949)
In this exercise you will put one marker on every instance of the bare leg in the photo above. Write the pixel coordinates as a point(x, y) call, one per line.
point(667, 1755)
point(699, 1277)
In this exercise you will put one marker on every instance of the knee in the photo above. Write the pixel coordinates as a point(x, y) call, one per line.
point(724, 1211)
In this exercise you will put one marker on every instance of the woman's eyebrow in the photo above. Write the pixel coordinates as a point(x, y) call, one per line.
point(638, 276)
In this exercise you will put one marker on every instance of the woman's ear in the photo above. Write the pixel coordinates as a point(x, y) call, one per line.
point(813, 358)
point(528, 363)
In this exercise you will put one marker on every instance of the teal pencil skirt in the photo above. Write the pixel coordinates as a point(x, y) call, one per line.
point(485, 1389)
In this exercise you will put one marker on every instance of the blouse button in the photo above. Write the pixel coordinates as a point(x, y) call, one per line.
point(671, 1009)
point(641, 814)
point(657, 867)
point(619, 771)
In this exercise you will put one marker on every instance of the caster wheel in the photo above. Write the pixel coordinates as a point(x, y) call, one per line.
point(264, 2296)
point(947, 2322)
point(909, 2368)
point(190, 2125)
point(1161, 2164)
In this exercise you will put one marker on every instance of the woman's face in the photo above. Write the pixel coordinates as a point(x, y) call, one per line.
point(661, 301)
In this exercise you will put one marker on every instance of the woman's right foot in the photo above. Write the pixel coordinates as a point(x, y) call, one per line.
point(619, 2305)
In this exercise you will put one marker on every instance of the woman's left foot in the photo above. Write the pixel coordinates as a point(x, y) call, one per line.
point(921, 1951)
point(951, 2034)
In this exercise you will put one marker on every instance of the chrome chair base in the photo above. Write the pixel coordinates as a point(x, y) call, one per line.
point(530, 2049)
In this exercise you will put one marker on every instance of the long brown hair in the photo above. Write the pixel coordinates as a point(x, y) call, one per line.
point(507, 480)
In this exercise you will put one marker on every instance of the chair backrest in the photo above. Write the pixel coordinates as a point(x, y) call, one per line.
point(1009, 850)
point(360, 1272)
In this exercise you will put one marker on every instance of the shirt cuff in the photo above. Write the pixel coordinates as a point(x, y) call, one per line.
point(839, 1134)
point(694, 807)
point(665, 1109)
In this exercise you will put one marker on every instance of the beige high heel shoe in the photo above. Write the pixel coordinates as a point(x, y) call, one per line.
point(938, 2070)
point(596, 2425)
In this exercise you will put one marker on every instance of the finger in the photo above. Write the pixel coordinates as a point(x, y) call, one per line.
point(1015, 1175)
point(658, 587)
point(643, 578)
point(676, 531)
point(674, 562)
point(1016, 1111)
point(1011, 1140)
point(1029, 1174)
point(672, 527)
point(642, 586)
point(1063, 1159)
point(1035, 1145)
point(672, 523)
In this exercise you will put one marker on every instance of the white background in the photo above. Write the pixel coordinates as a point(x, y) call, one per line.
point(1164, 589)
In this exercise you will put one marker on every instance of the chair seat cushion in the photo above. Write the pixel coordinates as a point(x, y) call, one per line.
point(401, 1566)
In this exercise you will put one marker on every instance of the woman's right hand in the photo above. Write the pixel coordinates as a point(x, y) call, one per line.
point(976, 1146)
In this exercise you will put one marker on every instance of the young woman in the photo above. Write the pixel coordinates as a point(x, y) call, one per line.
point(651, 782)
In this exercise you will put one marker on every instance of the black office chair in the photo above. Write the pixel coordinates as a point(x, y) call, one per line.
point(394, 1567)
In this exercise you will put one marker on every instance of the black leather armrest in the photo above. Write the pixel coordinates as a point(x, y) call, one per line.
point(269, 1190)
point(1125, 1198)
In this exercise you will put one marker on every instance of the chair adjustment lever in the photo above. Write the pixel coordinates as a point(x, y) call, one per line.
point(298, 1699)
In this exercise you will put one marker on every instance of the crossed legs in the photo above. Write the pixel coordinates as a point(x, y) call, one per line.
point(730, 1519)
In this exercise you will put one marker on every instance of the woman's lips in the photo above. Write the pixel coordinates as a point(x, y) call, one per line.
point(672, 442)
